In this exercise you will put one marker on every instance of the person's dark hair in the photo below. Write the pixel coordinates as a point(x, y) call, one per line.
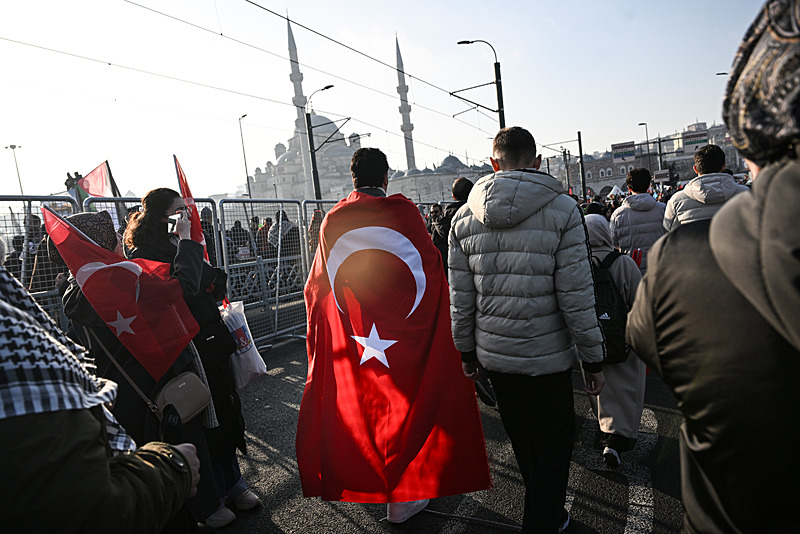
point(709, 159)
point(461, 188)
point(514, 146)
point(368, 167)
point(638, 180)
point(18, 242)
point(595, 208)
point(145, 227)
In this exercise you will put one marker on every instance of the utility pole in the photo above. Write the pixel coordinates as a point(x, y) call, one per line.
point(311, 150)
point(566, 164)
point(580, 160)
point(660, 155)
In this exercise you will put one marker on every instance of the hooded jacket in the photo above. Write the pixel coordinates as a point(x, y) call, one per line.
point(637, 223)
point(700, 199)
point(521, 289)
point(734, 373)
point(624, 271)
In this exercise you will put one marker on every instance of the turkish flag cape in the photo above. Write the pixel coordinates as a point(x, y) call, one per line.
point(138, 299)
point(188, 199)
point(387, 414)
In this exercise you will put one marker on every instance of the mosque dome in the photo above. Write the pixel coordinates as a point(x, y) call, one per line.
point(397, 174)
point(452, 162)
point(426, 170)
point(287, 157)
point(339, 151)
point(412, 172)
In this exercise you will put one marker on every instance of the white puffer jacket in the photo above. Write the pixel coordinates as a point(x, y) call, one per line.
point(700, 199)
point(521, 292)
point(638, 223)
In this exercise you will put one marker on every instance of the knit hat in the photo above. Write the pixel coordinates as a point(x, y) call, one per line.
point(762, 101)
point(97, 226)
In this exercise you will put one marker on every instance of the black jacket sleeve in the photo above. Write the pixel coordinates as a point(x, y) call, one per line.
point(71, 485)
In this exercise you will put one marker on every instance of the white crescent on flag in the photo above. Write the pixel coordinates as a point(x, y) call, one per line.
point(377, 238)
point(89, 269)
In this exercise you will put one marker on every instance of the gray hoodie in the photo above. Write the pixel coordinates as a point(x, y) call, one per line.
point(521, 292)
point(700, 199)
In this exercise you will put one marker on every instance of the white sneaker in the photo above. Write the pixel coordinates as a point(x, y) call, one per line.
point(220, 518)
point(400, 512)
point(247, 500)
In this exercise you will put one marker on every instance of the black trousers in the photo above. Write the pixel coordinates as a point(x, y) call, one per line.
point(539, 418)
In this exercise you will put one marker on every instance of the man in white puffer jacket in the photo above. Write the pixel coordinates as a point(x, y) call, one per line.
point(703, 196)
point(522, 307)
point(638, 223)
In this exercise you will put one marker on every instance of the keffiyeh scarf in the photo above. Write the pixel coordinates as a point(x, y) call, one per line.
point(42, 370)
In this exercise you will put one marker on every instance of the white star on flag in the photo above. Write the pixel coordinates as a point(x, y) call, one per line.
point(122, 324)
point(374, 346)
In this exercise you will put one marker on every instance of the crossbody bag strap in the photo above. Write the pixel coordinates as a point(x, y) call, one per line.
point(150, 404)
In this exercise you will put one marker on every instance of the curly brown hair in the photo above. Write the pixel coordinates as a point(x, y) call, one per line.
point(146, 227)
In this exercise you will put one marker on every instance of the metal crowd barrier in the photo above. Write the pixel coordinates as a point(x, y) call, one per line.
point(313, 213)
point(264, 254)
point(267, 256)
point(119, 207)
point(22, 228)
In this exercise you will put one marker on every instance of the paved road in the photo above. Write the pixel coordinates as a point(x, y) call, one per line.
point(642, 496)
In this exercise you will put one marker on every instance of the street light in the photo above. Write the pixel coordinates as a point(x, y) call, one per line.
point(246, 176)
point(497, 81)
point(647, 135)
point(14, 151)
point(311, 149)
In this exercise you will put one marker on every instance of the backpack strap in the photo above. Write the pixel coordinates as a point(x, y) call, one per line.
point(610, 258)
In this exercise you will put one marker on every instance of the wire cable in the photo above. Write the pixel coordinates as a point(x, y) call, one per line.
point(306, 65)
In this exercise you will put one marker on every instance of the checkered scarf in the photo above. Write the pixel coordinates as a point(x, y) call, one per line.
point(42, 370)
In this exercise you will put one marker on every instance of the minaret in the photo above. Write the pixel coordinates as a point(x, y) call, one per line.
point(299, 100)
point(405, 109)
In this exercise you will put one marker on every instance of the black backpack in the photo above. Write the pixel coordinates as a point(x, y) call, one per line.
point(612, 311)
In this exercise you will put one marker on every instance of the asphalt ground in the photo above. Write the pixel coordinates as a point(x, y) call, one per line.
point(641, 496)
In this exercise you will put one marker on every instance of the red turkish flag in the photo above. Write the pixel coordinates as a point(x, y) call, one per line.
point(186, 193)
point(138, 299)
point(387, 414)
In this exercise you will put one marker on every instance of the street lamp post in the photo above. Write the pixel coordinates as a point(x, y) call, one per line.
point(497, 81)
point(14, 151)
point(647, 135)
point(244, 155)
point(311, 149)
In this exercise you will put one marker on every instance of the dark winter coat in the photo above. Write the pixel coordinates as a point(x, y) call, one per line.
point(718, 317)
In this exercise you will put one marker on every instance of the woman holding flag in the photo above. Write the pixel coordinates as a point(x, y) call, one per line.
point(148, 237)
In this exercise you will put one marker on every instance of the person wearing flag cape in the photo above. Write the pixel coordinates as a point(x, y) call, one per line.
point(386, 415)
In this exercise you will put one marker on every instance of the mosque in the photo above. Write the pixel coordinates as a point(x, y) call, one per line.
point(290, 176)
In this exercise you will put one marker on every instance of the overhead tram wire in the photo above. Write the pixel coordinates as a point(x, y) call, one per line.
point(357, 51)
point(149, 73)
point(306, 65)
point(198, 84)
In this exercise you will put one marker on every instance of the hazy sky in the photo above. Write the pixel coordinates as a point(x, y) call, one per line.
point(177, 80)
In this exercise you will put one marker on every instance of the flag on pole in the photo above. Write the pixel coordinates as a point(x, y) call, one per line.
point(387, 414)
point(138, 299)
point(98, 183)
point(186, 193)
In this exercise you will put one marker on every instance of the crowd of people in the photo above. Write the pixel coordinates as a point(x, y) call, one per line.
point(502, 290)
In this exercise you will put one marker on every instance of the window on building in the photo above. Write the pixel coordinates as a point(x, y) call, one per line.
point(622, 170)
point(630, 168)
point(588, 175)
point(602, 173)
point(609, 172)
